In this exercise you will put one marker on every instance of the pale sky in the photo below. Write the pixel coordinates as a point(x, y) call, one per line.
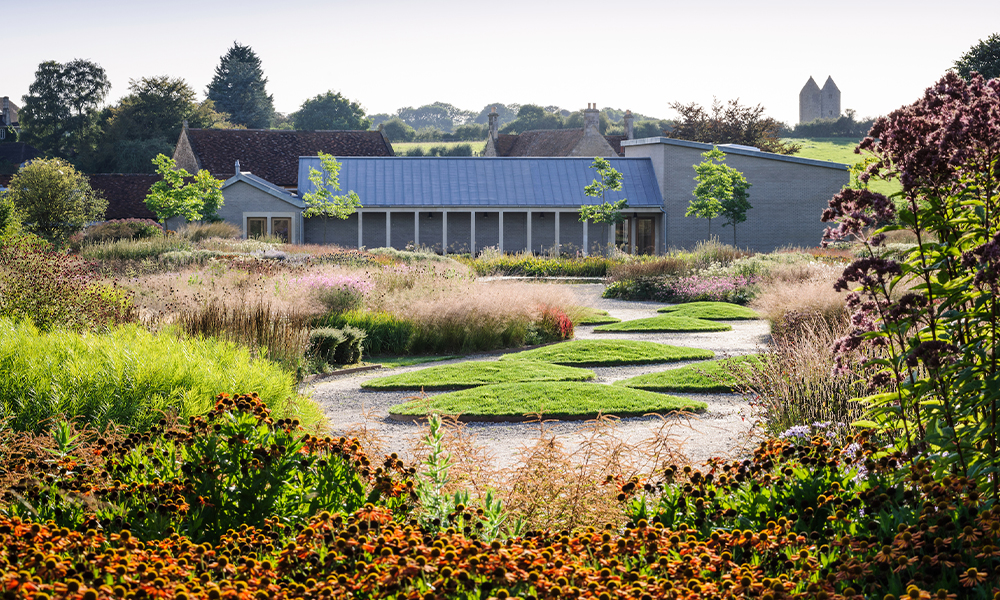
point(641, 55)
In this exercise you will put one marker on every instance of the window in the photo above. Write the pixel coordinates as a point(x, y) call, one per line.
point(623, 234)
point(256, 227)
point(645, 236)
point(282, 228)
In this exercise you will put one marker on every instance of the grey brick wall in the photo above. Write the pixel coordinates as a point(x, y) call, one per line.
point(339, 232)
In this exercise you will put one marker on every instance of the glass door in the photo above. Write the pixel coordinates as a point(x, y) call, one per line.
point(281, 228)
point(645, 235)
point(256, 227)
point(623, 234)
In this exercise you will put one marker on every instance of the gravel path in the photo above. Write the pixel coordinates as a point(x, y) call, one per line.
point(717, 432)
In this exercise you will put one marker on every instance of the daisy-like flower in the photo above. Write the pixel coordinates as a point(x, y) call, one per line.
point(972, 577)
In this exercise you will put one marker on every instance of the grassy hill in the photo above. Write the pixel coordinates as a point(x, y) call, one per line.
point(401, 148)
point(839, 150)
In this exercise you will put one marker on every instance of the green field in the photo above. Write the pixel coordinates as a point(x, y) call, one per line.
point(400, 148)
point(712, 311)
point(606, 353)
point(842, 151)
point(476, 373)
point(667, 322)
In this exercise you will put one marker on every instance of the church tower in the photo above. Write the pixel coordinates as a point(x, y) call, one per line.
point(831, 99)
point(815, 103)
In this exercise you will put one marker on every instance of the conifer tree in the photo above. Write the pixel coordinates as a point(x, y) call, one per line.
point(238, 89)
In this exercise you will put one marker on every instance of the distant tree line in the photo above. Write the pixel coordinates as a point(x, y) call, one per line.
point(846, 126)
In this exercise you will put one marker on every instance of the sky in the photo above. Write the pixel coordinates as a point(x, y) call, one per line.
point(641, 55)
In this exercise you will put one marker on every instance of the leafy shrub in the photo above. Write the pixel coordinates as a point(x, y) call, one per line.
point(239, 468)
point(338, 293)
point(323, 343)
point(737, 289)
point(184, 258)
point(120, 229)
point(128, 377)
point(529, 265)
point(643, 288)
point(554, 325)
point(54, 289)
point(196, 232)
point(351, 350)
point(384, 333)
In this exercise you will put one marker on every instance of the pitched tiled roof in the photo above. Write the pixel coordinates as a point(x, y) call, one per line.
point(505, 142)
point(546, 142)
point(5, 180)
point(126, 194)
point(616, 143)
point(468, 182)
point(274, 155)
point(15, 153)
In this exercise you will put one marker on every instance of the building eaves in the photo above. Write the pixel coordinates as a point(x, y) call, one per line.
point(738, 151)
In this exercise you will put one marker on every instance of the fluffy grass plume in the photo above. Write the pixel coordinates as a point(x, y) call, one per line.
point(604, 353)
point(129, 377)
point(704, 377)
point(514, 401)
point(472, 374)
point(713, 311)
point(665, 323)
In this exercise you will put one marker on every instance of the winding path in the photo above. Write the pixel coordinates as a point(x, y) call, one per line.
point(717, 432)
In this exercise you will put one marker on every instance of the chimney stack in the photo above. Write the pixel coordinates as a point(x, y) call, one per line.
point(237, 167)
point(629, 129)
point(592, 120)
point(494, 123)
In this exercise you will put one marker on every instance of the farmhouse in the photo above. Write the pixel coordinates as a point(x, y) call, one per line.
point(586, 141)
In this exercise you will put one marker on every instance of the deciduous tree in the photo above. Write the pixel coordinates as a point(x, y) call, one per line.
point(610, 180)
point(983, 58)
point(398, 131)
point(53, 199)
point(330, 111)
point(721, 191)
point(238, 88)
point(730, 123)
point(59, 116)
point(323, 202)
point(179, 194)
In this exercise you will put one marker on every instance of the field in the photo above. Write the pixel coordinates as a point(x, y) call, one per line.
point(842, 151)
point(401, 148)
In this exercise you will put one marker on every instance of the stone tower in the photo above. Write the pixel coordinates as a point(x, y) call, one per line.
point(816, 103)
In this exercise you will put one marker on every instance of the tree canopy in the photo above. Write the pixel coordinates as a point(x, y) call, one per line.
point(238, 88)
point(721, 191)
point(323, 202)
point(730, 123)
point(53, 199)
point(982, 58)
point(59, 116)
point(179, 194)
point(398, 131)
point(330, 111)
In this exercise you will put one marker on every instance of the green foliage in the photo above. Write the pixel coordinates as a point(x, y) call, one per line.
point(330, 111)
point(476, 373)
point(54, 289)
point(238, 89)
point(128, 376)
point(724, 375)
point(518, 401)
point(610, 181)
point(398, 131)
point(240, 468)
point(844, 126)
point(730, 124)
point(529, 265)
point(59, 116)
point(665, 323)
point(609, 353)
point(384, 333)
point(53, 199)
point(323, 202)
point(593, 316)
point(721, 191)
point(134, 249)
point(532, 116)
point(172, 196)
point(120, 229)
point(713, 311)
point(982, 58)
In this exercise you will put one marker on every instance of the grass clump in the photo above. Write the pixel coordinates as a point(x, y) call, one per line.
point(128, 376)
point(573, 400)
point(134, 249)
point(592, 316)
point(722, 376)
point(666, 323)
point(606, 353)
point(712, 311)
point(472, 374)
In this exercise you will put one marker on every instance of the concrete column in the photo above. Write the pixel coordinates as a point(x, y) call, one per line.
point(388, 229)
point(555, 215)
point(444, 232)
point(416, 229)
point(586, 239)
point(631, 237)
point(529, 233)
point(360, 230)
point(663, 236)
point(472, 234)
point(500, 237)
point(612, 227)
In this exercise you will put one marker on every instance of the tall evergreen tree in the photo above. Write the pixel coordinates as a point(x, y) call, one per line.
point(238, 89)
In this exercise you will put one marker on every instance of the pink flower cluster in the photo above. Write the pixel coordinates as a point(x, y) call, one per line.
point(725, 288)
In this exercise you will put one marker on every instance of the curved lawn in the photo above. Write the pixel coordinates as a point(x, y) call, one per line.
point(472, 374)
point(705, 377)
point(668, 323)
point(713, 311)
point(565, 400)
point(606, 353)
point(598, 317)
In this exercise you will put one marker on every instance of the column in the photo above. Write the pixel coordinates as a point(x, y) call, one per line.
point(586, 240)
point(416, 229)
point(555, 215)
point(444, 232)
point(472, 234)
point(360, 237)
point(500, 237)
point(631, 238)
point(388, 229)
point(529, 233)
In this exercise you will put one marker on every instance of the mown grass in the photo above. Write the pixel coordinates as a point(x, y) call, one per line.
point(476, 373)
point(723, 376)
point(606, 353)
point(712, 311)
point(401, 148)
point(593, 316)
point(392, 362)
point(512, 401)
point(840, 150)
point(665, 323)
point(130, 377)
